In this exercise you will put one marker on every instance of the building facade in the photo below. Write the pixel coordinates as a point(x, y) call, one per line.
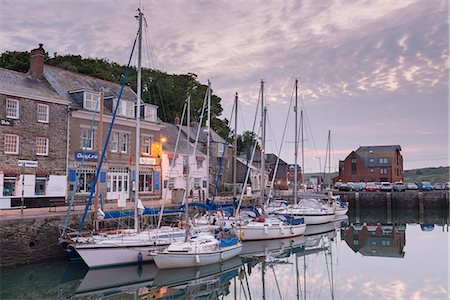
point(372, 163)
point(33, 139)
point(179, 163)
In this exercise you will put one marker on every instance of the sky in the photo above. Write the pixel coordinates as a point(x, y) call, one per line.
point(371, 72)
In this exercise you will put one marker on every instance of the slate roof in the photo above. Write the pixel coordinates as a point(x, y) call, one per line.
point(282, 165)
point(376, 152)
point(170, 131)
point(203, 135)
point(16, 82)
point(64, 81)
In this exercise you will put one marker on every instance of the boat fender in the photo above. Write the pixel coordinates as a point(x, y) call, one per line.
point(241, 235)
point(221, 255)
point(259, 219)
point(292, 230)
point(197, 259)
point(182, 224)
point(266, 230)
point(140, 257)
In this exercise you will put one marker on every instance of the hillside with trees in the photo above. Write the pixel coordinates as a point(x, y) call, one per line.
point(440, 174)
point(167, 91)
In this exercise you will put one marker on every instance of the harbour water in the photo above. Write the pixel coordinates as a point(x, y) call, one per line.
point(370, 255)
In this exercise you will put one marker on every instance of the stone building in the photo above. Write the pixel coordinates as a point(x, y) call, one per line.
point(372, 163)
point(118, 170)
point(33, 138)
point(281, 176)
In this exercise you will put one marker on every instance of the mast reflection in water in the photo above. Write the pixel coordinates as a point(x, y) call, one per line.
point(370, 255)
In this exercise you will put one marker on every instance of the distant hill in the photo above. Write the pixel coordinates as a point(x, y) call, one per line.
point(440, 174)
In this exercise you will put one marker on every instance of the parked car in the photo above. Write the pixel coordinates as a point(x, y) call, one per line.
point(447, 185)
point(411, 186)
point(351, 185)
point(399, 187)
point(386, 187)
point(344, 187)
point(337, 184)
point(425, 186)
point(359, 186)
point(371, 187)
point(439, 186)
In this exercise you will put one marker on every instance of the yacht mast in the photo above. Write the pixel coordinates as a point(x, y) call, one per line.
point(296, 145)
point(303, 150)
point(208, 142)
point(263, 139)
point(138, 127)
point(235, 144)
point(186, 192)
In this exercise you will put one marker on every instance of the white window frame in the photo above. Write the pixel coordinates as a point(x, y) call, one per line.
point(41, 113)
point(16, 138)
point(12, 110)
point(90, 100)
point(124, 139)
point(197, 183)
point(150, 113)
point(45, 185)
point(114, 143)
point(40, 146)
point(125, 109)
point(146, 145)
point(84, 137)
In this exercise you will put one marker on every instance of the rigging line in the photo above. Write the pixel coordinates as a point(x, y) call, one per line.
point(276, 147)
point(172, 165)
point(88, 203)
point(281, 144)
point(307, 119)
point(276, 281)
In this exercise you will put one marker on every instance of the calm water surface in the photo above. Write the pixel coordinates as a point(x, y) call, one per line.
point(371, 255)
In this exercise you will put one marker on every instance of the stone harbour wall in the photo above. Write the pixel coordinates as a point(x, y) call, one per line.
point(30, 240)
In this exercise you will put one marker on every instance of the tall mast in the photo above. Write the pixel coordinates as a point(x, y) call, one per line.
point(208, 142)
point(303, 150)
point(329, 158)
point(188, 121)
point(296, 145)
point(100, 149)
point(235, 144)
point(138, 127)
point(263, 138)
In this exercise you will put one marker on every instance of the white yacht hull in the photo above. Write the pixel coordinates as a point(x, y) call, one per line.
point(170, 260)
point(341, 211)
point(267, 232)
point(311, 218)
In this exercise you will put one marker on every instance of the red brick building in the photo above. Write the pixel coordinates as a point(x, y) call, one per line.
point(372, 163)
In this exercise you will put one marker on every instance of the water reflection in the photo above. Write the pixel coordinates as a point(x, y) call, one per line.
point(360, 256)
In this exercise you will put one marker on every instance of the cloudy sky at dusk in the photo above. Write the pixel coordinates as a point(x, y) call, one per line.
point(372, 72)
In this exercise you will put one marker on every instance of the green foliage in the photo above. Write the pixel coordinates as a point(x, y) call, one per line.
point(246, 141)
point(168, 92)
point(433, 175)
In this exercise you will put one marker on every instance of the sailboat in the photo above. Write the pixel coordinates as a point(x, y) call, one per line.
point(313, 208)
point(129, 245)
point(270, 227)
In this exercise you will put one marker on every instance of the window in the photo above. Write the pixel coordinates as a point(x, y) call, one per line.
point(9, 186)
point(11, 144)
point(171, 162)
point(87, 142)
point(150, 113)
point(371, 160)
point(86, 178)
point(196, 183)
point(114, 142)
point(353, 160)
point(372, 170)
point(146, 145)
point(124, 143)
point(383, 161)
point(383, 171)
point(170, 183)
point(353, 165)
point(199, 164)
point(12, 108)
point(125, 109)
point(41, 146)
point(39, 186)
point(42, 113)
point(220, 149)
point(146, 181)
point(91, 100)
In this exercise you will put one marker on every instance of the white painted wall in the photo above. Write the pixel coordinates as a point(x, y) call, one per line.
point(56, 186)
point(29, 183)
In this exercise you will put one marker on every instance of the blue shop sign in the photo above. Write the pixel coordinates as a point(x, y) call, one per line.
point(88, 156)
point(157, 179)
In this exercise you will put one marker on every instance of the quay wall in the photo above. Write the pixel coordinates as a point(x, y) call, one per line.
point(34, 239)
point(397, 200)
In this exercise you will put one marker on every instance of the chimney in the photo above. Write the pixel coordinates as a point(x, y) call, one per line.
point(177, 120)
point(37, 57)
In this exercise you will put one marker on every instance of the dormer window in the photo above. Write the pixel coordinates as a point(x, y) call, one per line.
point(91, 100)
point(126, 108)
point(150, 113)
